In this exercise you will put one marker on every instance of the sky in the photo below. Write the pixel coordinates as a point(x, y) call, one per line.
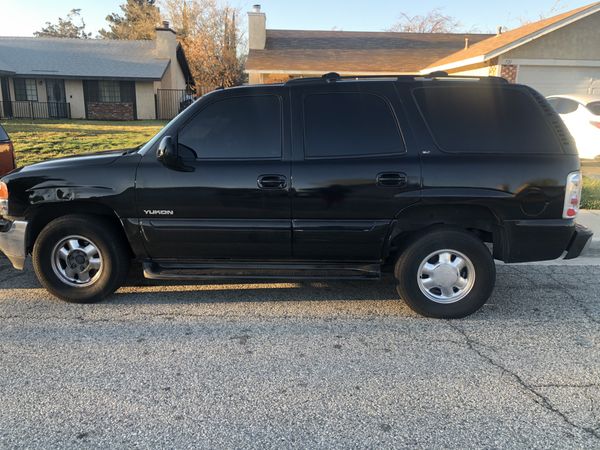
point(23, 17)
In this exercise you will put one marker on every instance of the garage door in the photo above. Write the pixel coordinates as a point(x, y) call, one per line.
point(551, 80)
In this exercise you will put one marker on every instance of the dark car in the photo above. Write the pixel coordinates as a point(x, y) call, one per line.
point(332, 177)
point(7, 153)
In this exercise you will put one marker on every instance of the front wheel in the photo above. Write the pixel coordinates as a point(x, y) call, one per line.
point(80, 259)
point(445, 274)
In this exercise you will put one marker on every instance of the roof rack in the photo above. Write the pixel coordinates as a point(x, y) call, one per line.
point(333, 77)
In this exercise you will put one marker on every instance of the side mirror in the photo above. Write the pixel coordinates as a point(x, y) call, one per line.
point(166, 152)
point(167, 155)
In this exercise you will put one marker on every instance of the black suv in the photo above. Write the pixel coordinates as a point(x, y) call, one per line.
point(328, 177)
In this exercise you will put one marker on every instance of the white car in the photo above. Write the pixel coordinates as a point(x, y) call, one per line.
point(581, 114)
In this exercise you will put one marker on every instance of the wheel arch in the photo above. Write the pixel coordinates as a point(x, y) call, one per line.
point(41, 216)
point(421, 219)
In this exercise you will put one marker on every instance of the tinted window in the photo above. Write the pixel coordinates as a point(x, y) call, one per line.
point(594, 107)
point(3, 135)
point(563, 105)
point(486, 119)
point(349, 124)
point(238, 127)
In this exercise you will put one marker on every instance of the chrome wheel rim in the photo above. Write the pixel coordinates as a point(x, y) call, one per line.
point(77, 261)
point(446, 276)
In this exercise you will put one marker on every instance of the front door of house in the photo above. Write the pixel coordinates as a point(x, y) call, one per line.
point(57, 101)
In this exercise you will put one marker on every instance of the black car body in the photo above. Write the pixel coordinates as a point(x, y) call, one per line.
point(322, 178)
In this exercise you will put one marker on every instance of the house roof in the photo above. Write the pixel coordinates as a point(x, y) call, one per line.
point(81, 58)
point(506, 41)
point(355, 52)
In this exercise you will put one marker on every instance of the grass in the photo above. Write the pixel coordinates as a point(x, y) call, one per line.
point(41, 140)
point(590, 197)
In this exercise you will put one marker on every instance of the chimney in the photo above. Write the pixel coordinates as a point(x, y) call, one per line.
point(499, 31)
point(165, 43)
point(257, 29)
point(466, 43)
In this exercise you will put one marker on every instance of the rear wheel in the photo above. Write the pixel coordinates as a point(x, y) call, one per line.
point(445, 274)
point(80, 259)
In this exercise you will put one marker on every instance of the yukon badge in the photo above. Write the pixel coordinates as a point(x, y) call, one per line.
point(158, 212)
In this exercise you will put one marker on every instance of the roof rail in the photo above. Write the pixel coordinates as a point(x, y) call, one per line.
point(333, 77)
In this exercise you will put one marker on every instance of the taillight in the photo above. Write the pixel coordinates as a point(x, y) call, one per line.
point(572, 195)
point(595, 123)
point(3, 199)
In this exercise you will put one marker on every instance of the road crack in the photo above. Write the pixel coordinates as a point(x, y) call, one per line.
point(538, 397)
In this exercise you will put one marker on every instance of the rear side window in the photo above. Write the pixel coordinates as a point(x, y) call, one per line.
point(236, 128)
point(3, 135)
point(486, 119)
point(594, 107)
point(563, 105)
point(341, 124)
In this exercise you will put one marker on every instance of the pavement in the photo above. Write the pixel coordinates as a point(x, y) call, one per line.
point(591, 219)
point(301, 365)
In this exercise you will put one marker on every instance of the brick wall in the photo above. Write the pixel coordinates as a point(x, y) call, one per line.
point(110, 111)
point(509, 71)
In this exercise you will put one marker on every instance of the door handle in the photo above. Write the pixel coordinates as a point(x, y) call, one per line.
point(272, 182)
point(392, 179)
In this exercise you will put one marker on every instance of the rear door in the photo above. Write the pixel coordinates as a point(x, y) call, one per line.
point(354, 168)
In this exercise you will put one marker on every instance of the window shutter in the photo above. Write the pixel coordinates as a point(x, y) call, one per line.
point(127, 91)
point(90, 90)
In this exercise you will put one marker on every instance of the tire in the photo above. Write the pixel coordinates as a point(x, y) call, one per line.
point(459, 288)
point(107, 263)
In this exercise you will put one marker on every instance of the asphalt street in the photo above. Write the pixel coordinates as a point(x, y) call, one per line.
point(302, 365)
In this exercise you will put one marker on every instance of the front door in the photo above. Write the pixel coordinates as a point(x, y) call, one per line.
point(57, 101)
point(233, 202)
point(355, 167)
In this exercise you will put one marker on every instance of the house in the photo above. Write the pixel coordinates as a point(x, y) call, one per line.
point(555, 55)
point(278, 55)
point(558, 55)
point(93, 78)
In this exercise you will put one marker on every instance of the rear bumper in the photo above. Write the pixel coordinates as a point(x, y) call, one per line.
point(13, 242)
point(582, 238)
point(540, 240)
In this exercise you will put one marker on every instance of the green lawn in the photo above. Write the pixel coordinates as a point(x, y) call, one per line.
point(40, 140)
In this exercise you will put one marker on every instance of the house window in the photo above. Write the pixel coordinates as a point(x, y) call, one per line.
point(109, 91)
point(26, 90)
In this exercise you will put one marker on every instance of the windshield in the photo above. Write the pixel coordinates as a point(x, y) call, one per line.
point(3, 135)
point(594, 108)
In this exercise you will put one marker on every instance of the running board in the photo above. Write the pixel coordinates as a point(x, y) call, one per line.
point(256, 270)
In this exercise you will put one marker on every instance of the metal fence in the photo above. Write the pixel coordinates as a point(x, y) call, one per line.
point(34, 110)
point(169, 102)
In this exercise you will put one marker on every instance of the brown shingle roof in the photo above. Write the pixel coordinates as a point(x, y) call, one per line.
point(345, 51)
point(507, 38)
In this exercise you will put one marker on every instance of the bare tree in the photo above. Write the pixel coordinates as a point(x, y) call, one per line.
point(556, 7)
point(432, 22)
point(65, 28)
point(210, 35)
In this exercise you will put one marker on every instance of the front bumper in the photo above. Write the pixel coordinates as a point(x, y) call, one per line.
point(582, 238)
point(13, 242)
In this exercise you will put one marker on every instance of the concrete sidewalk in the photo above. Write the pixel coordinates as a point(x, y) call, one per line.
point(591, 219)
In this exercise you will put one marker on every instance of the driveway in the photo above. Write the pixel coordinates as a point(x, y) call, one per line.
point(305, 365)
